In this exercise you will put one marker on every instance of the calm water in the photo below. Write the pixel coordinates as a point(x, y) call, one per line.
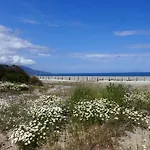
point(101, 74)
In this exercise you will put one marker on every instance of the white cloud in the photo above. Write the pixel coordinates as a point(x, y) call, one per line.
point(139, 46)
point(4, 29)
point(29, 21)
point(11, 43)
point(108, 56)
point(19, 60)
point(131, 32)
point(124, 33)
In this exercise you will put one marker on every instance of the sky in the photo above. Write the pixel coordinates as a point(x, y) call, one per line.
point(72, 36)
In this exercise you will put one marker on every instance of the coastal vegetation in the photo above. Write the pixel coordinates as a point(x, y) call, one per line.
point(16, 74)
point(13, 74)
point(87, 116)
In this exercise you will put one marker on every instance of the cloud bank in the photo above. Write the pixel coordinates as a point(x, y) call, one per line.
point(16, 60)
point(10, 44)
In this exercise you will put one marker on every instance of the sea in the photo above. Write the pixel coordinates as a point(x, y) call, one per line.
point(100, 74)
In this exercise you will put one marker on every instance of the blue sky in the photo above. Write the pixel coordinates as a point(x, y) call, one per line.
point(76, 36)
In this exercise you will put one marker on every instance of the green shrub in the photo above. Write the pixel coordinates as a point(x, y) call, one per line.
point(35, 81)
point(83, 92)
point(9, 87)
point(13, 74)
point(139, 100)
point(15, 77)
point(16, 74)
point(115, 92)
point(47, 119)
point(112, 92)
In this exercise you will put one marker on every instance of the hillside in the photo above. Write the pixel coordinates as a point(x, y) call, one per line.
point(34, 72)
point(13, 73)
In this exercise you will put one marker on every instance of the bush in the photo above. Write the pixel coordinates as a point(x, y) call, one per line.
point(13, 74)
point(15, 77)
point(16, 74)
point(8, 86)
point(138, 100)
point(98, 105)
point(35, 81)
point(115, 92)
point(83, 92)
point(102, 111)
point(47, 118)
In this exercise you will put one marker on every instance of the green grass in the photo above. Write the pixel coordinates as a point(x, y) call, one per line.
point(112, 92)
point(83, 92)
point(115, 93)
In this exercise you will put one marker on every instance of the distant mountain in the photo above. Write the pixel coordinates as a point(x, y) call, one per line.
point(35, 72)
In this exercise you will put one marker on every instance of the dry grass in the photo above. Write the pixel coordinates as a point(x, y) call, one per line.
point(92, 138)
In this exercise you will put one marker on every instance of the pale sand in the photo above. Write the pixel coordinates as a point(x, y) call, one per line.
point(127, 82)
point(57, 80)
point(103, 82)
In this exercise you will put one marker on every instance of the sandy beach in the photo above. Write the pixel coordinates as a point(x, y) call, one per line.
point(95, 78)
point(104, 82)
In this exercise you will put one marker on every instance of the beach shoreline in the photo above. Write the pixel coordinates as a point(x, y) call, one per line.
point(105, 82)
point(139, 80)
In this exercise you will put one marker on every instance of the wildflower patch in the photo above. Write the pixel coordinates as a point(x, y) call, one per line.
point(7, 86)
